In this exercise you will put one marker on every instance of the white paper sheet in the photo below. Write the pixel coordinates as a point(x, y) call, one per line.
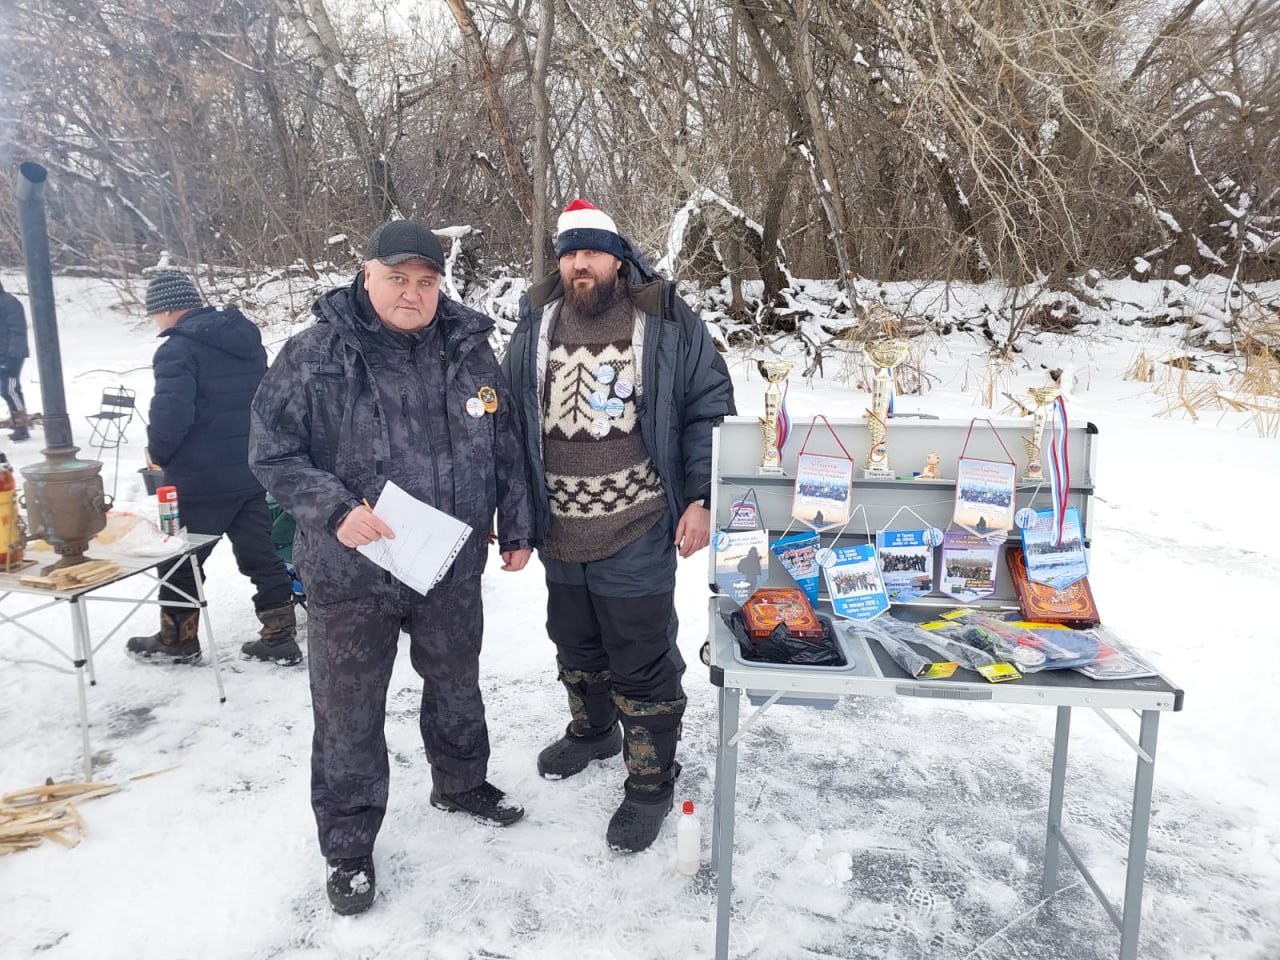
point(426, 539)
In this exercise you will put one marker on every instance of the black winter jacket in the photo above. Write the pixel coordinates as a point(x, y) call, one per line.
point(324, 438)
point(206, 370)
point(13, 329)
point(683, 390)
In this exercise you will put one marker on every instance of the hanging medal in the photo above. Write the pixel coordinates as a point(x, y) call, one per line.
point(823, 495)
point(986, 490)
point(742, 551)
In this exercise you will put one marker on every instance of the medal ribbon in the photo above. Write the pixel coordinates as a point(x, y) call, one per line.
point(1059, 466)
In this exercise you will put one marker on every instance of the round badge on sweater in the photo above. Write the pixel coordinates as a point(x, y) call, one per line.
point(599, 427)
point(597, 400)
point(605, 374)
point(623, 388)
point(614, 407)
point(475, 407)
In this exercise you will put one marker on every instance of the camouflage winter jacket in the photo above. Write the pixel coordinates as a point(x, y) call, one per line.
point(683, 388)
point(349, 405)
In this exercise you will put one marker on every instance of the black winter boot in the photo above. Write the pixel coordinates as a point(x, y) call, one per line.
point(485, 802)
point(573, 752)
point(177, 642)
point(652, 729)
point(278, 640)
point(350, 884)
point(593, 734)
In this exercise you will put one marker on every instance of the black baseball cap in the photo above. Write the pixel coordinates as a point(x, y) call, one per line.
point(399, 240)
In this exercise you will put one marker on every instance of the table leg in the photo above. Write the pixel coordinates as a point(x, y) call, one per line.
point(208, 627)
point(81, 643)
point(1057, 787)
point(1139, 823)
point(722, 824)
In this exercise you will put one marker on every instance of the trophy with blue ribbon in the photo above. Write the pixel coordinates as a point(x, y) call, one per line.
point(1042, 399)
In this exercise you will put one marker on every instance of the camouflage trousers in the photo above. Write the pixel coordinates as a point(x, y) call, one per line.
point(614, 625)
point(351, 647)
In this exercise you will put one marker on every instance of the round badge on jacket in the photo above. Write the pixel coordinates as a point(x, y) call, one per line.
point(475, 407)
point(489, 397)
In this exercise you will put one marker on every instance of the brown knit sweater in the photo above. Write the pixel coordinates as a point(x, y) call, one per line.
point(604, 490)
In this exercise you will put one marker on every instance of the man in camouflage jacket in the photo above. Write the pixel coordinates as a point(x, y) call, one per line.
point(395, 382)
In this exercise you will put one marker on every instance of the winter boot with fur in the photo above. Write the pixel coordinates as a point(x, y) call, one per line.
point(651, 730)
point(177, 642)
point(277, 642)
point(593, 733)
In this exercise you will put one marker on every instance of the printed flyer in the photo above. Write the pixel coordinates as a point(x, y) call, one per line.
point(853, 581)
point(797, 555)
point(906, 563)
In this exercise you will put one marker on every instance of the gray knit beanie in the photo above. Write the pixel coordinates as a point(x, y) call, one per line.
point(171, 290)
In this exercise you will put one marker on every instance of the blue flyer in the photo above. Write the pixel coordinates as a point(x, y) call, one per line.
point(906, 562)
point(797, 554)
point(853, 580)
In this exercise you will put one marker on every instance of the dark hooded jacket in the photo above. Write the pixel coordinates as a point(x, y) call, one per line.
point(683, 391)
point(349, 404)
point(206, 370)
point(13, 329)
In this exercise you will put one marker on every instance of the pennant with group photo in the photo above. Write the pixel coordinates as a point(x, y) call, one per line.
point(823, 496)
point(854, 582)
point(967, 570)
point(986, 490)
point(1053, 550)
point(906, 563)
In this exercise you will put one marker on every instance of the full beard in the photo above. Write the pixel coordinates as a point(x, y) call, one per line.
point(595, 299)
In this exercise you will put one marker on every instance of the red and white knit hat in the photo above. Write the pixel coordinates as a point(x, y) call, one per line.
point(583, 226)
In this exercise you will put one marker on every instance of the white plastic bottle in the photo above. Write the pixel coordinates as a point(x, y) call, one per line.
point(688, 841)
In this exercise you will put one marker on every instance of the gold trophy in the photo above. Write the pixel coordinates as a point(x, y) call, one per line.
point(1041, 399)
point(884, 355)
point(775, 371)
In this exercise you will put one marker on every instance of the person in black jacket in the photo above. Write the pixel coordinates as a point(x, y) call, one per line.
point(207, 370)
point(619, 386)
point(13, 350)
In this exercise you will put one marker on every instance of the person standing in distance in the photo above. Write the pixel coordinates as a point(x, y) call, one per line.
point(619, 386)
point(13, 351)
point(207, 369)
point(395, 382)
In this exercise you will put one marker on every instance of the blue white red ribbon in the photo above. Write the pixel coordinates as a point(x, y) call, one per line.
point(893, 392)
point(1059, 466)
point(784, 418)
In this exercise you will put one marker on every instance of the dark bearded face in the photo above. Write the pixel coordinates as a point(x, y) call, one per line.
point(590, 278)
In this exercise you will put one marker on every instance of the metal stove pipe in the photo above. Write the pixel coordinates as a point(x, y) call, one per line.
point(64, 496)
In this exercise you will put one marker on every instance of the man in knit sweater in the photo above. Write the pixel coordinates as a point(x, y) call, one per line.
point(619, 386)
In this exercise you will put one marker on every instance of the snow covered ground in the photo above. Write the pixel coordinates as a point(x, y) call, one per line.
point(937, 808)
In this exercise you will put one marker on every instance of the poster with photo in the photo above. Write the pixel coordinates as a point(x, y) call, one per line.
point(796, 553)
point(906, 563)
point(824, 490)
point(967, 570)
point(853, 581)
point(1055, 564)
point(985, 494)
point(742, 562)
